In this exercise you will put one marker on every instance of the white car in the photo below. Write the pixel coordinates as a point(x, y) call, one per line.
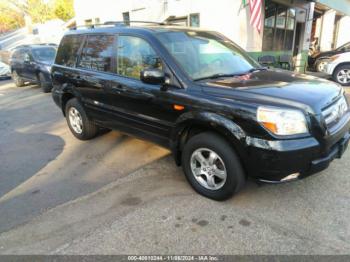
point(338, 66)
point(5, 70)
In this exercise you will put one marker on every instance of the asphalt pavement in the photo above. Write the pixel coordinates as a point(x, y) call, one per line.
point(120, 195)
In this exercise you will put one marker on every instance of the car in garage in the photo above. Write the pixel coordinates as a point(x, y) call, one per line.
point(222, 115)
point(318, 60)
point(338, 67)
point(32, 63)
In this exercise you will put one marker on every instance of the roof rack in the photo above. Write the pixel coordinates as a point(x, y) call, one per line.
point(39, 44)
point(120, 23)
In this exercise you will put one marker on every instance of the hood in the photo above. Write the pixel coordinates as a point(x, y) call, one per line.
point(45, 63)
point(326, 54)
point(278, 87)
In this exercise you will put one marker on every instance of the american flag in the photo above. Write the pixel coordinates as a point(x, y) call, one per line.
point(255, 13)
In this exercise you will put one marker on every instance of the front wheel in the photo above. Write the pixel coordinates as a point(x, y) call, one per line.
point(79, 124)
point(320, 64)
point(212, 167)
point(342, 75)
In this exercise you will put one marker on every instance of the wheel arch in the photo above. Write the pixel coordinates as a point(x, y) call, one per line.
point(66, 96)
point(191, 124)
point(340, 64)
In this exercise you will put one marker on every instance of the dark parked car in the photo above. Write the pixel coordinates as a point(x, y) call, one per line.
point(200, 95)
point(318, 60)
point(32, 63)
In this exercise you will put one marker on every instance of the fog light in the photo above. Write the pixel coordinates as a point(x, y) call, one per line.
point(290, 177)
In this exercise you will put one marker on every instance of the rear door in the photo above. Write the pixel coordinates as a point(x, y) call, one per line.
point(18, 62)
point(29, 66)
point(94, 73)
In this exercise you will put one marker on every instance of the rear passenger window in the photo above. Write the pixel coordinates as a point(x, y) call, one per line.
point(97, 53)
point(133, 55)
point(67, 53)
point(19, 54)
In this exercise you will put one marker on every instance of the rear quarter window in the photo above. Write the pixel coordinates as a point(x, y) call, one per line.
point(68, 49)
point(97, 53)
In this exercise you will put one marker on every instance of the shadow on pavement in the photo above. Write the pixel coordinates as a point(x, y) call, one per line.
point(24, 155)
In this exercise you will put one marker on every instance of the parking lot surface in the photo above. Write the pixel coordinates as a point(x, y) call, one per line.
point(120, 195)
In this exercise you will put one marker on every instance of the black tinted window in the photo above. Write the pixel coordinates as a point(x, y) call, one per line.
point(97, 53)
point(19, 54)
point(44, 54)
point(68, 50)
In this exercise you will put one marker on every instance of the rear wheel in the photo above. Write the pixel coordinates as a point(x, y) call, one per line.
point(79, 124)
point(17, 79)
point(342, 75)
point(42, 83)
point(212, 167)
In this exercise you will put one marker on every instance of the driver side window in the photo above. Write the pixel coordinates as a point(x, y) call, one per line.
point(134, 55)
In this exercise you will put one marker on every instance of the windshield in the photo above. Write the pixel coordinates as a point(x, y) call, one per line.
point(345, 47)
point(203, 54)
point(46, 54)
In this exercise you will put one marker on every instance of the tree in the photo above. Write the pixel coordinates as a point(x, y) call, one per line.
point(39, 10)
point(10, 19)
point(63, 9)
point(14, 12)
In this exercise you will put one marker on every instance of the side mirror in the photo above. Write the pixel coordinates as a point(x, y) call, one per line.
point(152, 76)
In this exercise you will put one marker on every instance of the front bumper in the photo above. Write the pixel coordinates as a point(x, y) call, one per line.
point(329, 68)
point(284, 160)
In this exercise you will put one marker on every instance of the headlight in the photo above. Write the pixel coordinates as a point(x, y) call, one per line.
point(48, 68)
point(282, 122)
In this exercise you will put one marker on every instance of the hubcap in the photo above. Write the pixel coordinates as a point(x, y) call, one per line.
point(75, 120)
point(208, 168)
point(343, 76)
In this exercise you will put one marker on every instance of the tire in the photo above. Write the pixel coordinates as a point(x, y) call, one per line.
point(341, 75)
point(46, 88)
point(206, 143)
point(88, 128)
point(319, 65)
point(17, 79)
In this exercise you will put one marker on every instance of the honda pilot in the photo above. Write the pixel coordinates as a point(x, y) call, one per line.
point(222, 115)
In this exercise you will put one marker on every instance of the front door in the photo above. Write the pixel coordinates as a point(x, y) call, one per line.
point(142, 108)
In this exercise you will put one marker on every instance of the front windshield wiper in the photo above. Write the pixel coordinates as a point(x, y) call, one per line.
point(215, 76)
point(254, 69)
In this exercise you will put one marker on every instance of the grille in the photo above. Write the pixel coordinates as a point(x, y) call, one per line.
point(333, 113)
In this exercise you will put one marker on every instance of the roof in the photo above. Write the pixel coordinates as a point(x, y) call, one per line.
point(36, 46)
point(149, 27)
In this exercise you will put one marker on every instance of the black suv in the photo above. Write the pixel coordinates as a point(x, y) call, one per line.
point(32, 63)
point(197, 93)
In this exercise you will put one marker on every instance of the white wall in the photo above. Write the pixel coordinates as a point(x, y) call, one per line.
point(327, 30)
point(343, 33)
point(226, 16)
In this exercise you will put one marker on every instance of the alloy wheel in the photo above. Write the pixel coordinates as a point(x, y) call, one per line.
point(75, 120)
point(343, 76)
point(208, 168)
